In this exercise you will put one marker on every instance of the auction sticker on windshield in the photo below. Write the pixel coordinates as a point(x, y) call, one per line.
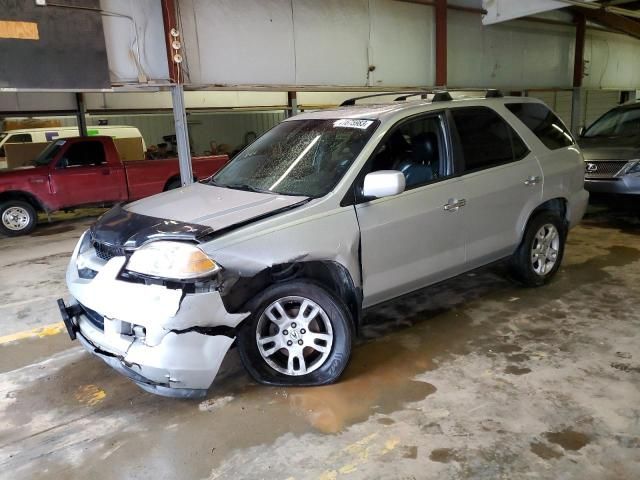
point(351, 123)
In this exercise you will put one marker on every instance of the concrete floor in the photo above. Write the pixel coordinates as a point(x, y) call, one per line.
point(475, 378)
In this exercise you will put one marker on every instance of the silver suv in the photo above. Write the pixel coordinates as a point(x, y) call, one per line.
point(327, 214)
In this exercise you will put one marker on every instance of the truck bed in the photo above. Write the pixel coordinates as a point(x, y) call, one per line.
point(148, 177)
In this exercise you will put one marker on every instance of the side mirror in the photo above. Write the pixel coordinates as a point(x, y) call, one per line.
point(581, 131)
point(384, 183)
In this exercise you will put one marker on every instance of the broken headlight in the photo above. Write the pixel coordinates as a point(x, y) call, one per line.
point(172, 260)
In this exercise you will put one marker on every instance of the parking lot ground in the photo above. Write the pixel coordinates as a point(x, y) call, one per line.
point(473, 378)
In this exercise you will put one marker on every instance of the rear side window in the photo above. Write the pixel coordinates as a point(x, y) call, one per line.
point(487, 139)
point(19, 138)
point(543, 123)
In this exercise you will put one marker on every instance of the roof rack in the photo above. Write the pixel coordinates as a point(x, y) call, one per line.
point(423, 96)
point(438, 95)
point(352, 101)
point(441, 96)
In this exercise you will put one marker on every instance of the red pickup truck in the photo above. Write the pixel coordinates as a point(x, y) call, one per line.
point(78, 171)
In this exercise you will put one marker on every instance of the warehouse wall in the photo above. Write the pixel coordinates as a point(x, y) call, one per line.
point(335, 43)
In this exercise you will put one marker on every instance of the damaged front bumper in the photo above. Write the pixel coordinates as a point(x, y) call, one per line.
point(168, 342)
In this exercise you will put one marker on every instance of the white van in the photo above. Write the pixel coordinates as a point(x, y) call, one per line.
point(48, 134)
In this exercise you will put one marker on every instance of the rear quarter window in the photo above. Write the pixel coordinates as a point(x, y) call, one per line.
point(487, 140)
point(543, 123)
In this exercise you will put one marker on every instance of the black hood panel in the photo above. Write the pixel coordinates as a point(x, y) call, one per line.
point(121, 228)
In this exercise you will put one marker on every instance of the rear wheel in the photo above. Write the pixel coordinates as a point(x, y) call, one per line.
point(539, 255)
point(17, 218)
point(298, 334)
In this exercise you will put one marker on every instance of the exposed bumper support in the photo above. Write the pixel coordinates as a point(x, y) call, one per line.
point(167, 342)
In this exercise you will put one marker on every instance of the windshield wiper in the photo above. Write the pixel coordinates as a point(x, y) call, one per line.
point(245, 187)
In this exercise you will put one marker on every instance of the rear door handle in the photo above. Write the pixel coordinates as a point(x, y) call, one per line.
point(532, 181)
point(454, 205)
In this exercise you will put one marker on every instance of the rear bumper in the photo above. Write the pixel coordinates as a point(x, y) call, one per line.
point(577, 207)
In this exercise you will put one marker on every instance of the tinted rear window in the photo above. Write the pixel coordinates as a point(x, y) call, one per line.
point(487, 139)
point(543, 123)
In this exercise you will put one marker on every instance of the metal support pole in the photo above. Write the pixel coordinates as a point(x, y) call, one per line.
point(576, 110)
point(578, 74)
point(441, 42)
point(81, 112)
point(182, 135)
point(292, 101)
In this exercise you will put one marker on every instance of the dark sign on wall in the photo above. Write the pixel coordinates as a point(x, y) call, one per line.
point(52, 47)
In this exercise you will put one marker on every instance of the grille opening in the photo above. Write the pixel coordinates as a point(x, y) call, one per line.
point(107, 252)
point(603, 169)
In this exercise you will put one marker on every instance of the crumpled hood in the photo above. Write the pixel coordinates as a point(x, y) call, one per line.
point(195, 213)
point(215, 207)
point(610, 148)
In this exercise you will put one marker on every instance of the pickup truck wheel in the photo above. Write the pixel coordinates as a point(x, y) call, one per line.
point(17, 218)
point(173, 184)
point(298, 334)
point(539, 255)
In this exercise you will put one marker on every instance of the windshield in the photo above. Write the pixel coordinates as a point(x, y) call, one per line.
point(617, 122)
point(298, 157)
point(45, 157)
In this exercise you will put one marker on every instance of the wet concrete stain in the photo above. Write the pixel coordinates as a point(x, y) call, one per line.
point(432, 428)
point(518, 357)
point(515, 370)
point(505, 348)
point(568, 439)
point(544, 451)
point(626, 367)
point(444, 455)
point(410, 452)
point(386, 421)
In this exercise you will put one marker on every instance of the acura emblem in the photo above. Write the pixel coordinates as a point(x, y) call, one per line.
point(592, 167)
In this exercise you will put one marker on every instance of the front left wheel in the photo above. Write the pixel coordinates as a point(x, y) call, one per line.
point(298, 334)
point(17, 218)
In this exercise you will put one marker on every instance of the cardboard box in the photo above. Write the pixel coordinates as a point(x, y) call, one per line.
point(13, 124)
point(21, 154)
point(130, 149)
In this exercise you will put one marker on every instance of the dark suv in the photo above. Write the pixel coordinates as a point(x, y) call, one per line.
point(611, 149)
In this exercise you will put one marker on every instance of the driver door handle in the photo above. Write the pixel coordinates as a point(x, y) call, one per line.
point(106, 171)
point(532, 181)
point(454, 205)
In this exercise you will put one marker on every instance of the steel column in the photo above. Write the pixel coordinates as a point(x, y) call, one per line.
point(171, 34)
point(292, 103)
point(441, 43)
point(578, 74)
point(182, 136)
point(81, 113)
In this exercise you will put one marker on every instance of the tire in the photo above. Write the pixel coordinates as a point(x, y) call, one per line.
point(172, 185)
point(326, 336)
point(539, 256)
point(17, 218)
